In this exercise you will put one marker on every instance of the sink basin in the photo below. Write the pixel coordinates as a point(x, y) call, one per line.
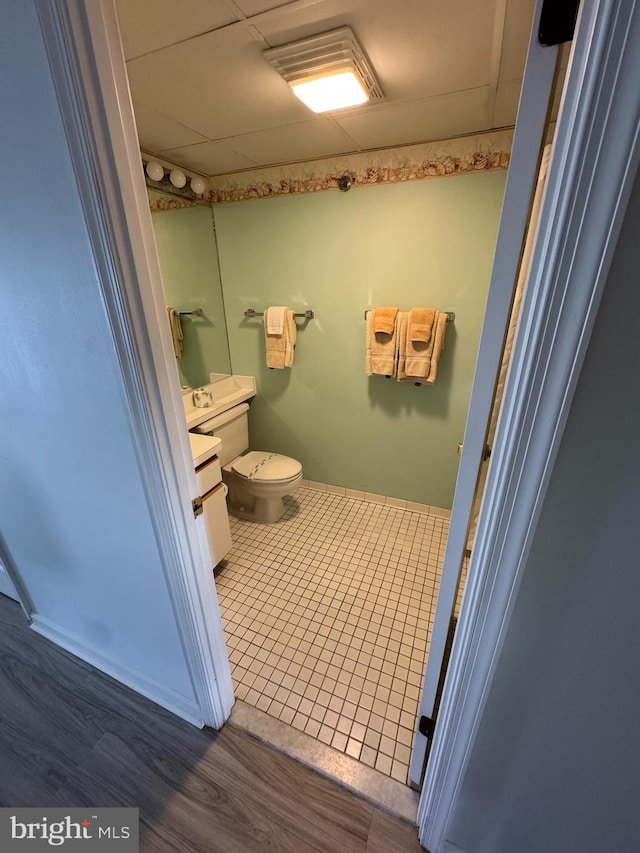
point(226, 393)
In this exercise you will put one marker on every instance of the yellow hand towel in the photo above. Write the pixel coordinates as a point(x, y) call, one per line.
point(384, 320)
point(176, 331)
point(440, 327)
point(403, 324)
point(415, 356)
point(421, 324)
point(381, 349)
point(279, 348)
point(291, 333)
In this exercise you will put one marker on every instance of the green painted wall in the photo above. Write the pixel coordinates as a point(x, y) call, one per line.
point(191, 279)
point(420, 243)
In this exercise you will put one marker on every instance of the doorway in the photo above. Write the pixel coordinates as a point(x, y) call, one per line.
point(342, 724)
point(328, 618)
point(619, 132)
point(352, 721)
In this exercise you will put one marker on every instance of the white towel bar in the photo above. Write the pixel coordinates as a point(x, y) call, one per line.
point(251, 312)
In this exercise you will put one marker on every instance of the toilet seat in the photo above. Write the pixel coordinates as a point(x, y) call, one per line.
point(261, 466)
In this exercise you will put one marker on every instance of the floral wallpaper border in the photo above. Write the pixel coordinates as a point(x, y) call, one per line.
point(483, 152)
point(159, 202)
point(464, 155)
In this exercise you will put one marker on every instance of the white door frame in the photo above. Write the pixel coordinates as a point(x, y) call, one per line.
point(526, 152)
point(593, 166)
point(85, 55)
point(7, 587)
point(581, 218)
point(11, 583)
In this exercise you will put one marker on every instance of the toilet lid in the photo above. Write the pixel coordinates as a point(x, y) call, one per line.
point(259, 465)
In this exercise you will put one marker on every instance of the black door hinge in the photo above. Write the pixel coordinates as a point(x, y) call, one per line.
point(426, 726)
point(557, 21)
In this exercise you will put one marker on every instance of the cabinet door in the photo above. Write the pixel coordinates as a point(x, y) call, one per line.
point(216, 520)
point(208, 475)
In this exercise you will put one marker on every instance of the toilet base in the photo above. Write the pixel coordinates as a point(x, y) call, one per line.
point(242, 504)
point(266, 511)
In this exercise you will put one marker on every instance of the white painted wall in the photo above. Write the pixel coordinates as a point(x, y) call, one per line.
point(73, 513)
point(556, 763)
point(6, 586)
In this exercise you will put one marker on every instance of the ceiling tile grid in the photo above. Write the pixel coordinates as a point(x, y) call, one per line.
point(425, 120)
point(206, 98)
point(208, 158)
point(148, 26)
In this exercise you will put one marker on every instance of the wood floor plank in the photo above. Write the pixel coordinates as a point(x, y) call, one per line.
point(71, 736)
point(238, 786)
point(28, 774)
point(389, 835)
point(318, 801)
point(189, 813)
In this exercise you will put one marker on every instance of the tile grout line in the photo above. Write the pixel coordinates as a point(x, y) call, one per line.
point(334, 572)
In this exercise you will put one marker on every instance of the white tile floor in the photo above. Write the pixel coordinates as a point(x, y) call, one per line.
point(328, 617)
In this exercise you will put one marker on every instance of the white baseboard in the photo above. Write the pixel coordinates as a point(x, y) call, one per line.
point(163, 696)
point(399, 503)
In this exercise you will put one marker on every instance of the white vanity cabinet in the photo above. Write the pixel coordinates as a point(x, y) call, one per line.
point(212, 492)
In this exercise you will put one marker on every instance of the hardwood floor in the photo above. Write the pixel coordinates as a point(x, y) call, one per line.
point(71, 736)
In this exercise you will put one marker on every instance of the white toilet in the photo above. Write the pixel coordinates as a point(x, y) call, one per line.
point(257, 480)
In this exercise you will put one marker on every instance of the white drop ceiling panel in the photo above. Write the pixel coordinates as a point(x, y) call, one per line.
point(198, 75)
point(515, 40)
point(208, 158)
point(508, 97)
point(417, 48)
point(506, 106)
point(295, 142)
point(147, 26)
point(420, 121)
point(218, 86)
point(254, 7)
point(157, 131)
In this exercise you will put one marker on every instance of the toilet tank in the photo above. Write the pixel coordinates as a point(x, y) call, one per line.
point(232, 427)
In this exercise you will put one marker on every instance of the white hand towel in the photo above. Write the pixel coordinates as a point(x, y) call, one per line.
point(275, 319)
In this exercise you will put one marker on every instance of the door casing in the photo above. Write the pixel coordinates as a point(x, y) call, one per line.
point(524, 163)
point(582, 214)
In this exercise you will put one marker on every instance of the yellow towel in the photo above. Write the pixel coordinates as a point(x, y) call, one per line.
point(381, 349)
point(414, 357)
point(176, 331)
point(440, 327)
point(421, 324)
point(384, 320)
point(279, 348)
point(401, 357)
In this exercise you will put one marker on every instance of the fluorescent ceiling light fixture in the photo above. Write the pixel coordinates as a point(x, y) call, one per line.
point(331, 92)
point(327, 72)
